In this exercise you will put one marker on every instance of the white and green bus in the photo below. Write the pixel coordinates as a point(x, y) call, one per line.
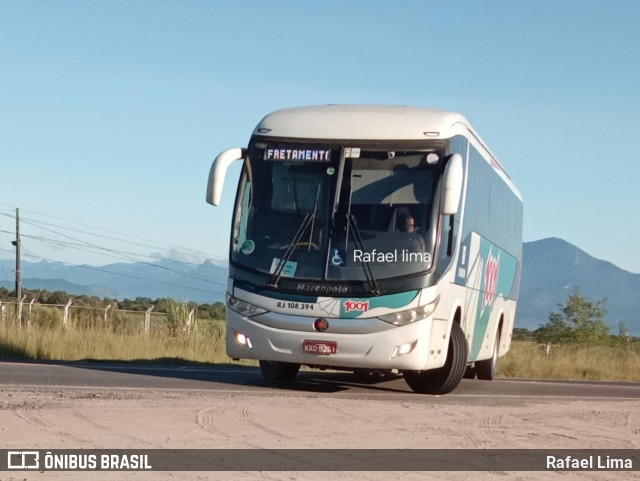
point(371, 238)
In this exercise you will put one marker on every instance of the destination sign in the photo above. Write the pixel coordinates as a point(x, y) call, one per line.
point(299, 155)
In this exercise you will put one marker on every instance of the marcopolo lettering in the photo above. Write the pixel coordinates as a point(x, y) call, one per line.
point(321, 289)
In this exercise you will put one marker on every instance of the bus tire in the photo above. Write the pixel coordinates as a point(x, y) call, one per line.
point(446, 378)
point(486, 369)
point(276, 371)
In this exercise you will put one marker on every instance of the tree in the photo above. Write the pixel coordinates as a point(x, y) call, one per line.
point(4, 293)
point(579, 321)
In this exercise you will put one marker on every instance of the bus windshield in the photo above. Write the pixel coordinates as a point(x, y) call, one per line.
point(317, 212)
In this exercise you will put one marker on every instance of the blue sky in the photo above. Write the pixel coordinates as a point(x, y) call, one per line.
point(111, 112)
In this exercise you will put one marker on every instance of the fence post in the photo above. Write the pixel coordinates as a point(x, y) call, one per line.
point(147, 319)
point(548, 349)
point(190, 320)
point(29, 316)
point(19, 315)
point(106, 310)
point(65, 318)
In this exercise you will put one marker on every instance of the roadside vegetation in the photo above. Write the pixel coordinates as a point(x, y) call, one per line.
point(529, 360)
point(575, 343)
point(104, 329)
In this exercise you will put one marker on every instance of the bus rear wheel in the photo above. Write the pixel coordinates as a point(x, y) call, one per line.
point(276, 371)
point(486, 369)
point(446, 378)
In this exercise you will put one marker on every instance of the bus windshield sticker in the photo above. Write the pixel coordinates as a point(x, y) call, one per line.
point(352, 152)
point(289, 269)
point(248, 247)
point(297, 154)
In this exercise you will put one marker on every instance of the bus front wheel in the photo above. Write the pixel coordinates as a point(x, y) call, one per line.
point(275, 371)
point(446, 378)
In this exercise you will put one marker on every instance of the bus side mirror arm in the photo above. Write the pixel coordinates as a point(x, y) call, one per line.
point(452, 182)
point(219, 171)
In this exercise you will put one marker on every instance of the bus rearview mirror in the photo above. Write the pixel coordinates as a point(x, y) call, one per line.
point(452, 181)
point(219, 171)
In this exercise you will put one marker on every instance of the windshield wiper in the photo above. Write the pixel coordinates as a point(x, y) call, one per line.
point(371, 280)
point(309, 220)
point(291, 248)
point(352, 226)
point(315, 209)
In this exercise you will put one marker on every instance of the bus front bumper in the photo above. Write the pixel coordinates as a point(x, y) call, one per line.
point(384, 347)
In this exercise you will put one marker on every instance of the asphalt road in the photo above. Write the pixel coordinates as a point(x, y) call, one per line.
point(93, 405)
point(249, 380)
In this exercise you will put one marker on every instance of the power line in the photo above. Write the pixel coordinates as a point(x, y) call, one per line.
point(36, 223)
point(135, 257)
point(97, 249)
point(83, 245)
point(4, 272)
point(79, 247)
point(119, 273)
point(112, 251)
point(148, 242)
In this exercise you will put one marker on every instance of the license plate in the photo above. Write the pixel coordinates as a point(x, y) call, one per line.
point(323, 348)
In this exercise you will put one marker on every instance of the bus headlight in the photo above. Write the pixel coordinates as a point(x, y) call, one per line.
point(410, 315)
point(242, 307)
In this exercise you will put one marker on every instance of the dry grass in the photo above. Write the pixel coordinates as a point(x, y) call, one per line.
point(613, 363)
point(126, 341)
point(56, 343)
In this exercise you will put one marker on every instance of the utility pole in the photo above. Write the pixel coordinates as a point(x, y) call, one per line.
point(17, 244)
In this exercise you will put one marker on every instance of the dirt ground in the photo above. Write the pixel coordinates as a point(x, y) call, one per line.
point(73, 418)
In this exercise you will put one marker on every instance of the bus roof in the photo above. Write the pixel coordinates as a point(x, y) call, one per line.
point(362, 122)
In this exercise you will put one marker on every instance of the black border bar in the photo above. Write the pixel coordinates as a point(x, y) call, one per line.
point(22, 459)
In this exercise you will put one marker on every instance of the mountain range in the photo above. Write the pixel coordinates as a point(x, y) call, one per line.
point(552, 268)
point(203, 283)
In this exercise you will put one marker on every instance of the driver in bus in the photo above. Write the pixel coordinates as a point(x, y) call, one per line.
point(406, 223)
